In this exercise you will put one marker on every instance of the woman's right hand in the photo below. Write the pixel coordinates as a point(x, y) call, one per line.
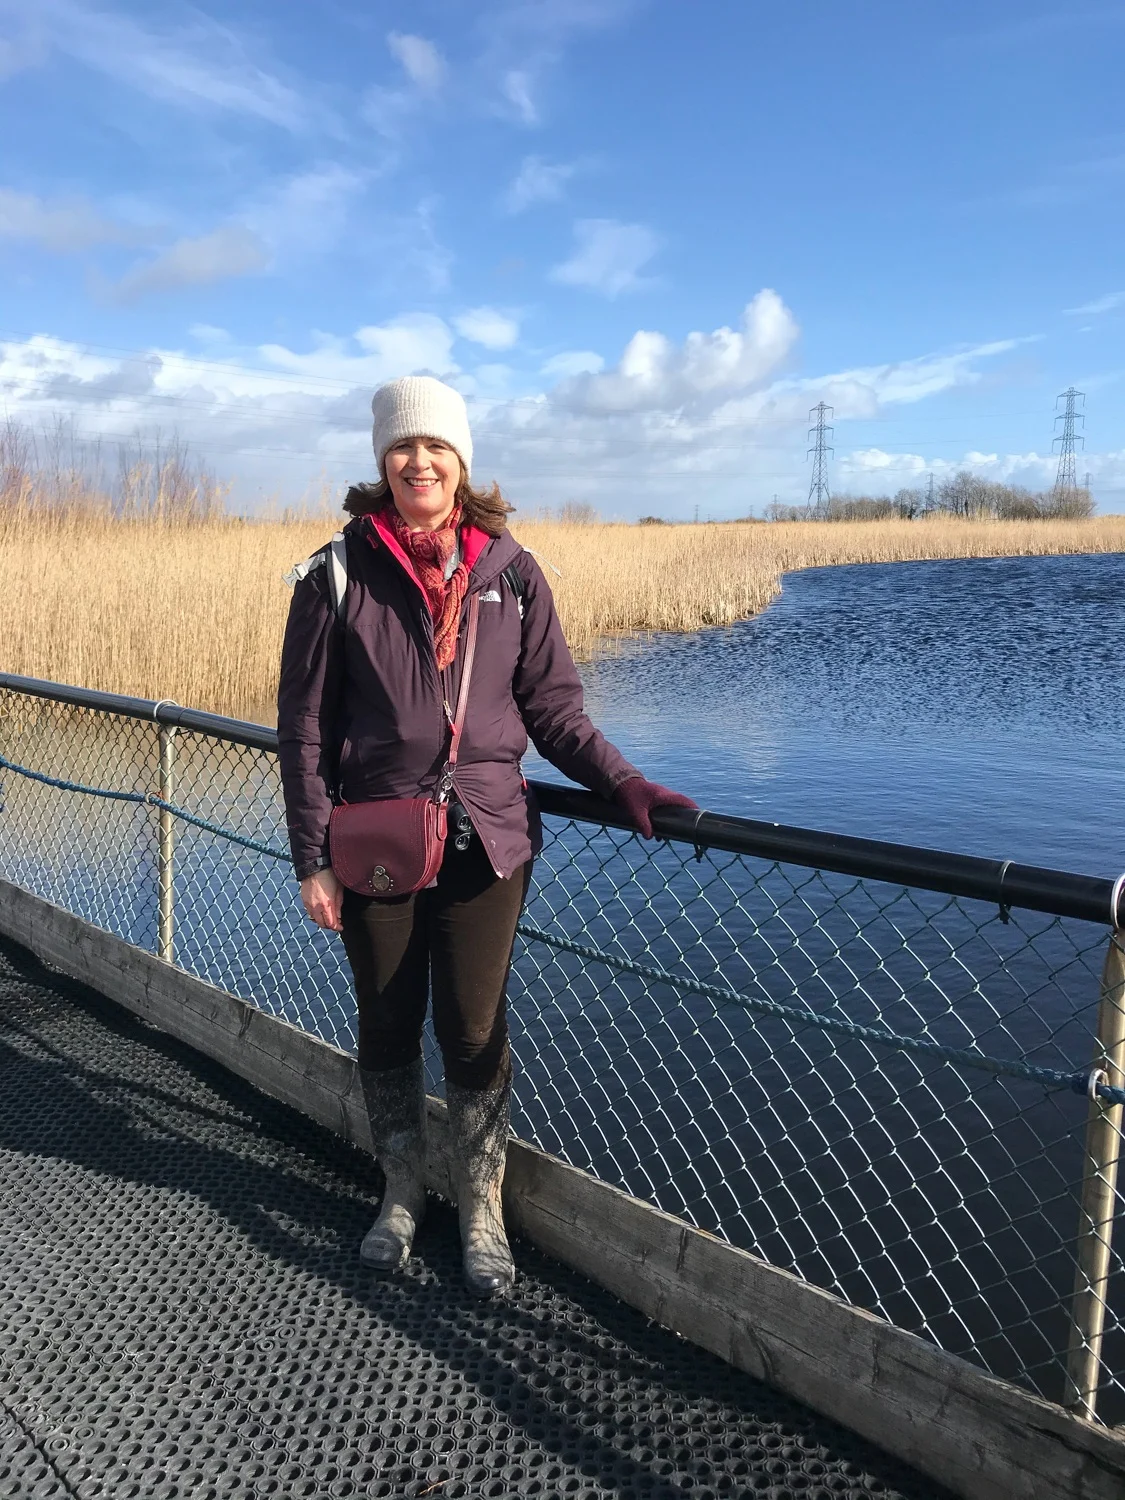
point(322, 896)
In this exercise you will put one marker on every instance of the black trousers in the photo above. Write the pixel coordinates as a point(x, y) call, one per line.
point(456, 938)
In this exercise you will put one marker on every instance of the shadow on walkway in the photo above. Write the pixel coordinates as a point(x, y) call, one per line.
point(183, 1314)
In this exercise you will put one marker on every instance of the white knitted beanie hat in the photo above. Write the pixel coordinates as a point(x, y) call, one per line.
point(420, 406)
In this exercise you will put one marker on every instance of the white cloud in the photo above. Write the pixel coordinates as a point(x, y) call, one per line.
point(484, 325)
point(706, 370)
point(608, 256)
point(270, 418)
point(203, 65)
point(524, 42)
point(516, 88)
point(872, 460)
point(861, 392)
point(407, 252)
point(493, 382)
point(873, 470)
point(414, 342)
point(390, 110)
point(537, 181)
point(307, 212)
point(665, 416)
point(232, 250)
point(65, 225)
point(1099, 305)
point(573, 362)
point(519, 44)
point(421, 61)
point(411, 344)
point(714, 416)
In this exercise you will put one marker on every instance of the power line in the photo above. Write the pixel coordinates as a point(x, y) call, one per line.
point(138, 443)
point(264, 415)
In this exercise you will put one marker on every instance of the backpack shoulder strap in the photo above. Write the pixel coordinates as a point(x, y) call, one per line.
point(338, 573)
point(333, 557)
point(514, 579)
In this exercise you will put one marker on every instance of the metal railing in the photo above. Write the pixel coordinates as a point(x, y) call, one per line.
point(896, 1072)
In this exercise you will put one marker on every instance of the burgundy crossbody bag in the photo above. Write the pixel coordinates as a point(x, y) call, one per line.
point(395, 846)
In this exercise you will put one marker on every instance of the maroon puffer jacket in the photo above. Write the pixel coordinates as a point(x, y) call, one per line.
point(359, 705)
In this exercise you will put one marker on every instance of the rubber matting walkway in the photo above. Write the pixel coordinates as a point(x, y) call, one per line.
point(183, 1315)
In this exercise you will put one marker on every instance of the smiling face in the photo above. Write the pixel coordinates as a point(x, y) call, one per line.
point(423, 474)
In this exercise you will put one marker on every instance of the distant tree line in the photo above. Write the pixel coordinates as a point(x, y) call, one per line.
point(963, 494)
point(57, 471)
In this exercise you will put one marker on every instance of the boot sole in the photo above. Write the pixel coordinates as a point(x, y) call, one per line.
point(501, 1289)
point(491, 1294)
point(375, 1264)
point(385, 1263)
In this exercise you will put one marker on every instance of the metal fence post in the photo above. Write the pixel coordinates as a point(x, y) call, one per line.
point(1099, 1193)
point(165, 919)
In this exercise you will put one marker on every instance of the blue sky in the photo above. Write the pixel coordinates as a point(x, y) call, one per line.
point(643, 238)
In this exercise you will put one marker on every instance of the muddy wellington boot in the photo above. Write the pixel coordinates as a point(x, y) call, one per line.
point(396, 1107)
point(478, 1145)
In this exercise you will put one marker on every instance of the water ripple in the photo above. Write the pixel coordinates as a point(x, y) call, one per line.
point(974, 705)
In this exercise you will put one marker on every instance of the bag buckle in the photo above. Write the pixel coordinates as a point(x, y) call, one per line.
point(380, 881)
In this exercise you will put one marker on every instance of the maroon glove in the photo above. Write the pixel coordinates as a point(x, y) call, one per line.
point(638, 797)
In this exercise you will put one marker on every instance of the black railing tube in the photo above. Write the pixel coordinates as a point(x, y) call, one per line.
point(235, 731)
point(1001, 882)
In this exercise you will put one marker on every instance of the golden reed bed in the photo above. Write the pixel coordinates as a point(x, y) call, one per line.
point(194, 612)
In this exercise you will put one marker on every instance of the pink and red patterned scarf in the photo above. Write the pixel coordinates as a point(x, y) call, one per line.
point(430, 552)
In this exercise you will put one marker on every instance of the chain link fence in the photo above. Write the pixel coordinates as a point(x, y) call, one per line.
point(876, 1085)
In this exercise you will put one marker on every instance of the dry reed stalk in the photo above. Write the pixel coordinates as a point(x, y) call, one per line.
point(195, 611)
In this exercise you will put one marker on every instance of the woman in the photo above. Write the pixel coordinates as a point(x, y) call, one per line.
point(363, 715)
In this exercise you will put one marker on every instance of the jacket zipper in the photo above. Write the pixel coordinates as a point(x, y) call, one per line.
point(428, 632)
point(447, 710)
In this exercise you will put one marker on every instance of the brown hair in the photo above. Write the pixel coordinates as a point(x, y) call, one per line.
point(485, 508)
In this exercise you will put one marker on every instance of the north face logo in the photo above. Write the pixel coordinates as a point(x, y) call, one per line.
point(491, 596)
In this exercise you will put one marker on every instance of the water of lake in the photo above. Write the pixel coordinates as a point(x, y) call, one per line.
point(972, 705)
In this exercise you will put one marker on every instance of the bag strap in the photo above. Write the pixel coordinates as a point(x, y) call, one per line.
point(445, 780)
point(337, 561)
point(514, 579)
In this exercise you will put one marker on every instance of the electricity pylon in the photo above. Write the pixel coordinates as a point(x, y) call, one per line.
point(1070, 417)
point(820, 431)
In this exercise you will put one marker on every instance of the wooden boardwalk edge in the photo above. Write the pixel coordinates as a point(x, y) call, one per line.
point(981, 1437)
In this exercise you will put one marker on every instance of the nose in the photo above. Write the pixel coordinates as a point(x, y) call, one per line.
point(418, 459)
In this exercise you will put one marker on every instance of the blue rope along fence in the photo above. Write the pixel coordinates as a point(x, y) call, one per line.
point(147, 799)
point(1052, 1077)
point(1078, 1082)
